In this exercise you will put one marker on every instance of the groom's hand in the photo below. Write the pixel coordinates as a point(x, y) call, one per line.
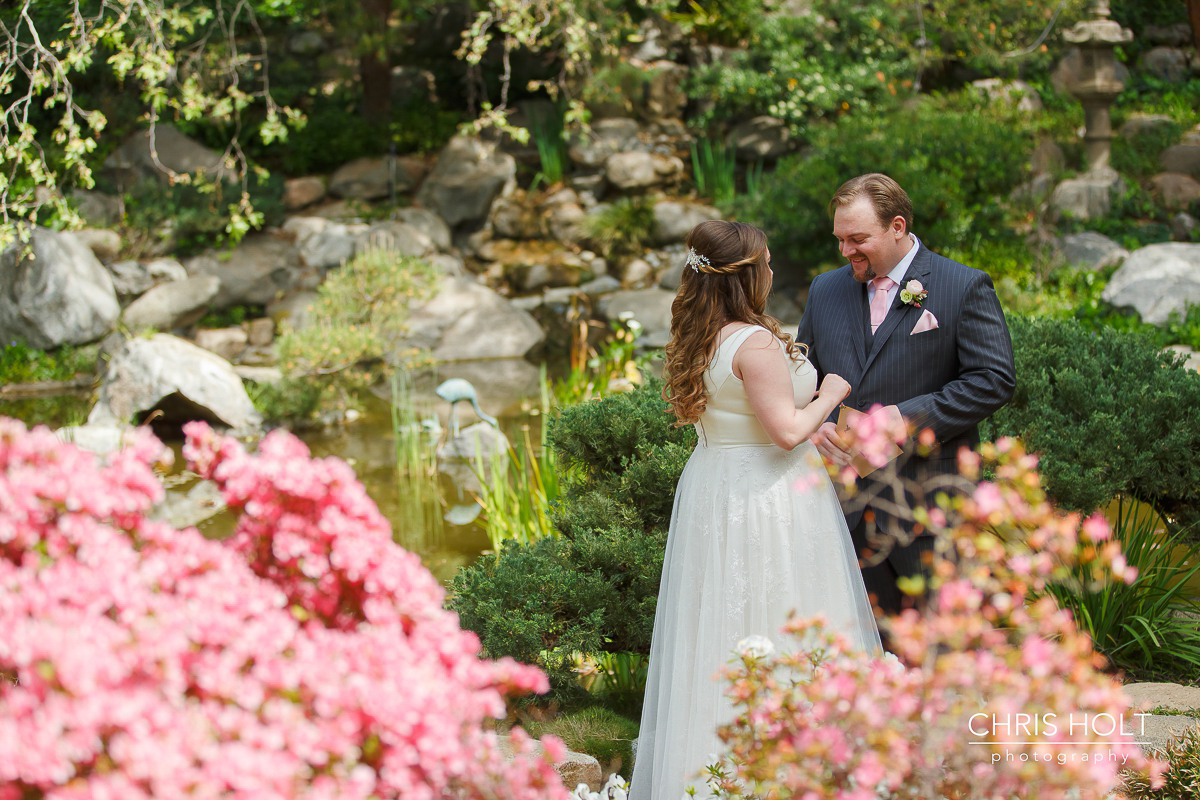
point(830, 445)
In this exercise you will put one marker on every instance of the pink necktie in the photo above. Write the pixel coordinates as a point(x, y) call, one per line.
point(879, 303)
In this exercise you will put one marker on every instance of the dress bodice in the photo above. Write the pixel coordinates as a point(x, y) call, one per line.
point(728, 420)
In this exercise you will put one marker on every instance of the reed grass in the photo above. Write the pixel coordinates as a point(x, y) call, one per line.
point(418, 498)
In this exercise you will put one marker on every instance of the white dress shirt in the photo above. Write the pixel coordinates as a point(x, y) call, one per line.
point(898, 272)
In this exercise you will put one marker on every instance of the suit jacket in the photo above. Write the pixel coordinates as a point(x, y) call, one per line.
point(946, 379)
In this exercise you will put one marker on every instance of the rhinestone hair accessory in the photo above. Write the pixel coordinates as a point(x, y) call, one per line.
point(694, 260)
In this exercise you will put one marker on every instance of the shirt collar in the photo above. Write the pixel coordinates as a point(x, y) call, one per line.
point(898, 272)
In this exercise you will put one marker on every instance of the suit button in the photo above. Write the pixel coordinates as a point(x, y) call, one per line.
point(862, 404)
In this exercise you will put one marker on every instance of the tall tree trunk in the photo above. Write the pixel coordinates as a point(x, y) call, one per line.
point(374, 67)
point(1193, 7)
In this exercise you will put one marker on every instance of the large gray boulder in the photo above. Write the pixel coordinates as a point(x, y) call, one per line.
point(1157, 280)
point(1016, 94)
point(650, 307)
point(396, 237)
point(663, 95)
point(1178, 192)
point(176, 304)
point(330, 246)
point(427, 223)
point(469, 175)
point(261, 268)
point(178, 378)
point(135, 158)
point(54, 291)
point(1166, 63)
point(371, 178)
point(1182, 158)
point(132, 278)
point(466, 320)
point(1092, 251)
point(1087, 196)
point(674, 220)
point(633, 170)
point(606, 138)
point(761, 138)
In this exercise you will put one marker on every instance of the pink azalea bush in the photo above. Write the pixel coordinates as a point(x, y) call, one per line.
point(995, 692)
point(308, 657)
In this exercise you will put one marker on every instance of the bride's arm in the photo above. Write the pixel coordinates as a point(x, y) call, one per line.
point(764, 368)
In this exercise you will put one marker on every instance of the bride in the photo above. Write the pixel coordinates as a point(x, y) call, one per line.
point(757, 531)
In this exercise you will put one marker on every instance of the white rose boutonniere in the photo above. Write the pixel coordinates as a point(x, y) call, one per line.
point(913, 293)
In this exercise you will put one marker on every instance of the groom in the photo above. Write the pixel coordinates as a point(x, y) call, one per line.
point(943, 362)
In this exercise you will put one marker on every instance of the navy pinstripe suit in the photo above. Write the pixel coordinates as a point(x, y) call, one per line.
point(947, 379)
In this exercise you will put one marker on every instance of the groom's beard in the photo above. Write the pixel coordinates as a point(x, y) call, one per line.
point(869, 275)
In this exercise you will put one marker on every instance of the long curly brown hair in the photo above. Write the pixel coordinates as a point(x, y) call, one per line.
point(732, 286)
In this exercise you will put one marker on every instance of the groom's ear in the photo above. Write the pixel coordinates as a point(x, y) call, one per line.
point(899, 226)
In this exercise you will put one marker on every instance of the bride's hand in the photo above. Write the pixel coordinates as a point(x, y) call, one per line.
point(834, 388)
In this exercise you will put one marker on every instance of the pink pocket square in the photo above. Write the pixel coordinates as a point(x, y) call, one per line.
point(927, 322)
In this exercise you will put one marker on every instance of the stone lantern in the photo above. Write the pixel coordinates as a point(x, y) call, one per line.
point(1097, 85)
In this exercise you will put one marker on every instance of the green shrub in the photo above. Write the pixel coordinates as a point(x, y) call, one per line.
point(201, 214)
point(595, 588)
point(1134, 220)
point(357, 319)
point(623, 228)
point(956, 167)
point(545, 602)
point(1109, 414)
point(1137, 156)
point(20, 363)
point(797, 69)
point(336, 134)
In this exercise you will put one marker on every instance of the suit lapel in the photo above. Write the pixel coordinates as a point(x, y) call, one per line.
point(856, 306)
point(901, 312)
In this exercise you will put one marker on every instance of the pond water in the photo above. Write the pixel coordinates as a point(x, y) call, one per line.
point(416, 508)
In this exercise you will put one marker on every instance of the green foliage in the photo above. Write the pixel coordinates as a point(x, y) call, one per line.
point(335, 134)
point(602, 439)
point(603, 734)
point(359, 315)
point(799, 68)
point(999, 36)
point(232, 316)
point(1134, 220)
point(176, 59)
point(714, 169)
point(516, 491)
point(613, 367)
point(20, 363)
point(1182, 777)
point(954, 166)
point(623, 228)
point(1109, 415)
point(1144, 625)
point(1137, 156)
point(294, 400)
point(547, 130)
point(594, 588)
point(1138, 14)
point(541, 603)
point(1148, 94)
point(729, 23)
point(200, 214)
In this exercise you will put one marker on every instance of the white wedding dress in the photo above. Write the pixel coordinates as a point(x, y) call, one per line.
point(756, 533)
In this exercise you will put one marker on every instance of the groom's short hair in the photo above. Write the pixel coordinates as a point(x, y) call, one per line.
point(889, 200)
